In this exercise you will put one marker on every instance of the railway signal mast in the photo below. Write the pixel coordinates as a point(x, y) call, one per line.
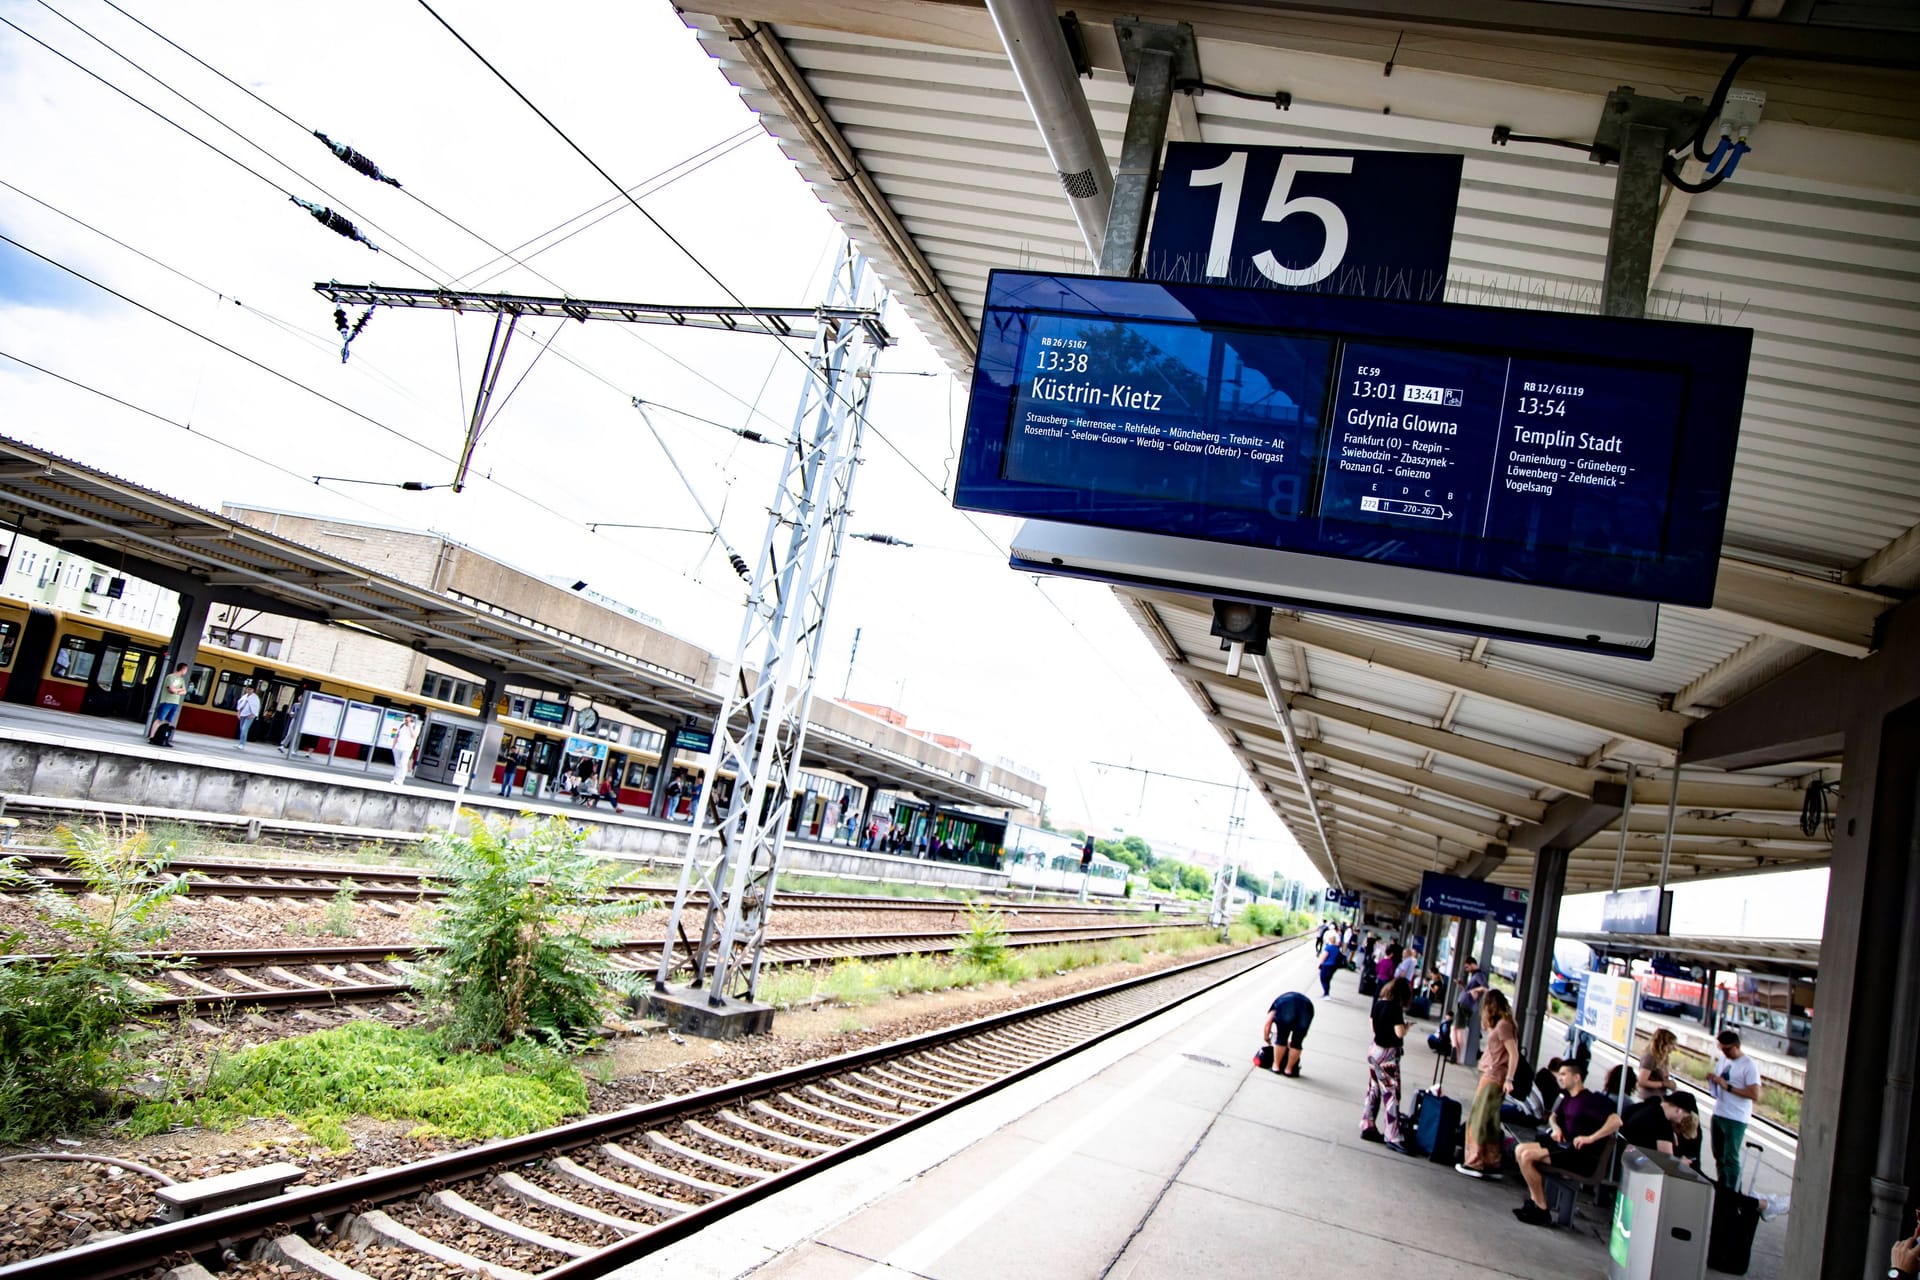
point(734, 858)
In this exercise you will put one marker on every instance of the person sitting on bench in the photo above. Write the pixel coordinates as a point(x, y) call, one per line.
point(1574, 1146)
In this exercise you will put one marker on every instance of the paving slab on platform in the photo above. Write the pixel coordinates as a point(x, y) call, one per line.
point(1161, 1153)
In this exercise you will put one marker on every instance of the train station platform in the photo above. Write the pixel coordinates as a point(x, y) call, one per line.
point(1163, 1153)
point(85, 765)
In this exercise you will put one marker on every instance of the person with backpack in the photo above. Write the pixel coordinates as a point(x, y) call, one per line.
point(1383, 1068)
point(173, 691)
point(1500, 1046)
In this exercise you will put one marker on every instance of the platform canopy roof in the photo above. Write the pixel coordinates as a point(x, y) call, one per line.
point(1789, 957)
point(1418, 749)
point(191, 550)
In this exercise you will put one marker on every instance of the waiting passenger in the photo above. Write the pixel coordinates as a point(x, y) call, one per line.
point(1644, 1123)
point(1573, 1145)
point(1499, 1047)
point(1286, 1030)
point(1612, 1087)
point(1736, 1085)
point(1329, 961)
point(1383, 1067)
point(1683, 1113)
point(609, 792)
point(1660, 1052)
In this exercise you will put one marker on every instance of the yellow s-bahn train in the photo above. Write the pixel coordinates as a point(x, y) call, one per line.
point(64, 661)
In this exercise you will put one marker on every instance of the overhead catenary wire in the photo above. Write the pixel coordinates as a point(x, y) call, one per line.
point(223, 154)
point(677, 243)
point(177, 425)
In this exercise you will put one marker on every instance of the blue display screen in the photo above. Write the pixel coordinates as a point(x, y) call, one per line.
point(1585, 452)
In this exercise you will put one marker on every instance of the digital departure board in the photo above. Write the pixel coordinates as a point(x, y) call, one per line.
point(1576, 451)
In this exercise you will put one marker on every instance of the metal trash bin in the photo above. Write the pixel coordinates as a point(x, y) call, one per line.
point(1660, 1219)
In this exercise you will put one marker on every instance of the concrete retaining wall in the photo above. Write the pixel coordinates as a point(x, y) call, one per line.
point(266, 788)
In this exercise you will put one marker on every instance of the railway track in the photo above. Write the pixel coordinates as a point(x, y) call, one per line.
point(585, 1198)
point(215, 878)
point(319, 976)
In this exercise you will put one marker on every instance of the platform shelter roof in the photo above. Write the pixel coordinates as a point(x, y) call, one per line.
point(1415, 749)
point(186, 548)
point(1788, 957)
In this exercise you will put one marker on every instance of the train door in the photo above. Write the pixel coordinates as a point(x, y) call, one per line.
point(30, 658)
point(124, 673)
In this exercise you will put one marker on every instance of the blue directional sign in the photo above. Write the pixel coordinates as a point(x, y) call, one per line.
point(1447, 895)
point(1376, 224)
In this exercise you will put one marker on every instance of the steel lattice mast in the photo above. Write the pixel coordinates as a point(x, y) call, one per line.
point(787, 604)
point(788, 594)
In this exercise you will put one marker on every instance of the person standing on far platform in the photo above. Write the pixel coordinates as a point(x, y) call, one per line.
point(403, 739)
point(1329, 961)
point(1383, 1067)
point(173, 691)
point(1736, 1085)
point(248, 710)
point(1466, 1005)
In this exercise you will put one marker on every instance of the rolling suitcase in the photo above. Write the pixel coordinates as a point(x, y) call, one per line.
point(1436, 1120)
point(1736, 1217)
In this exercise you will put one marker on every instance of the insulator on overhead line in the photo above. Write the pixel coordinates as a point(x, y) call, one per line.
point(334, 222)
point(355, 160)
point(739, 565)
point(348, 332)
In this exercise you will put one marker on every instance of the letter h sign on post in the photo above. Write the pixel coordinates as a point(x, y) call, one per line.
point(1375, 224)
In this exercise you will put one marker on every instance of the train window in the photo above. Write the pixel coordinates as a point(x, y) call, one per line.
point(74, 659)
point(9, 634)
point(640, 775)
point(199, 680)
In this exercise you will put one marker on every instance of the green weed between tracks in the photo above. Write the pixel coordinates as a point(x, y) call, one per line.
point(322, 1079)
point(68, 1025)
point(854, 983)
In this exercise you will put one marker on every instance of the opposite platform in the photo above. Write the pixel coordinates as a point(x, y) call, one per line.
point(1160, 1153)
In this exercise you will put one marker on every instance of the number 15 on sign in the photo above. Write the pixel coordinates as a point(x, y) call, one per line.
point(1373, 222)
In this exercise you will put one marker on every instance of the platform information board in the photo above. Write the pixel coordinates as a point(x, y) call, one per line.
point(1607, 1007)
point(1577, 451)
point(1445, 895)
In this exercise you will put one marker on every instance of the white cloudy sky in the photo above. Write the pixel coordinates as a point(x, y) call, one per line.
point(1052, 675)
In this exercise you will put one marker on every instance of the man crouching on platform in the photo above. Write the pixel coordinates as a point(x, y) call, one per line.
point(1286, 1030)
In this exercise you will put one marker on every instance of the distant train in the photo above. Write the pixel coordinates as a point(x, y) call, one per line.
point(1036, 859)
point(64, 661)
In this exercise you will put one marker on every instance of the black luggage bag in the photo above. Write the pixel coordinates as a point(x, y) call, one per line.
point(1736, 1217)
point(1435, 1123)
point(161, 735)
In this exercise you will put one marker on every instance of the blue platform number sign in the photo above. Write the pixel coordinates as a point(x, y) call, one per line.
point(1376, 224)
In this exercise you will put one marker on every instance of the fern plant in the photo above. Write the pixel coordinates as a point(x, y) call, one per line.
point(520, 929)
point(67, 1023)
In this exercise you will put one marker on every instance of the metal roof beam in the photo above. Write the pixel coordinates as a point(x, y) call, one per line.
point(1798, 716)
point(1573, 820)
point(1798, 607)
point(1520, 807)
point(1618, 716)
point(1521, 764)
point(1470, 822)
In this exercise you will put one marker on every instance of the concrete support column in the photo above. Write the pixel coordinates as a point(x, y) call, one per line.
point(488, 754)
point(1859, 1155)
point(1536, 955)
point(1430, 946)
point(866, 810)
point(188, 628)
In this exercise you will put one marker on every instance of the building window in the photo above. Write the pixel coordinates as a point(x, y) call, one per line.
point(245, 641)
point(447, 689)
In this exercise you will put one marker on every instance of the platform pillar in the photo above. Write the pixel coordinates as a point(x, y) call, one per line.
point(184, 646)
point(1536, 952)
